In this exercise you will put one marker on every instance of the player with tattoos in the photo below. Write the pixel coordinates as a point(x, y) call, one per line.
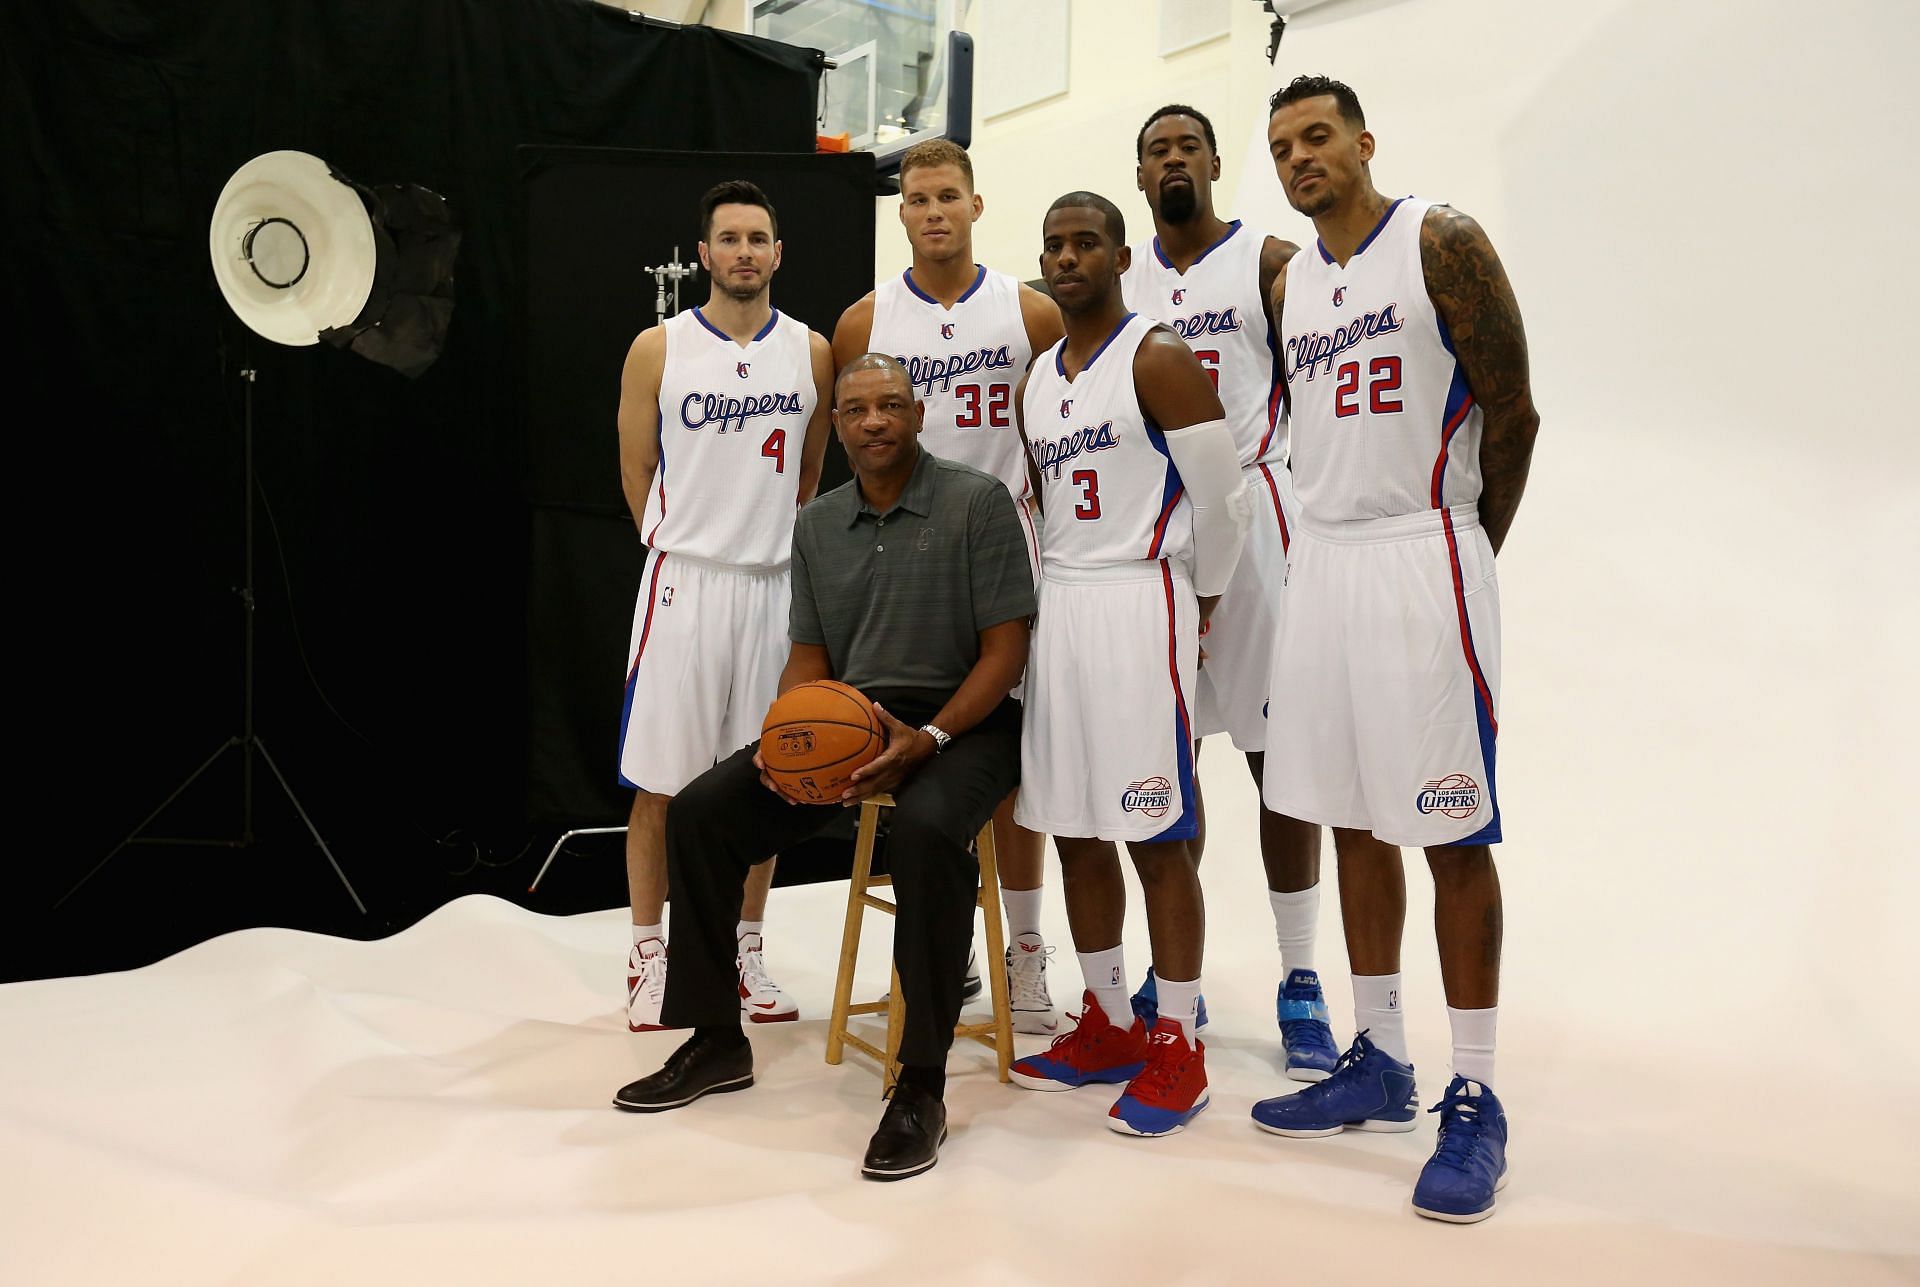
point(1413, 423)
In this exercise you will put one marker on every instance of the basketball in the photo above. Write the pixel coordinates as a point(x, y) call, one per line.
point(815, 735)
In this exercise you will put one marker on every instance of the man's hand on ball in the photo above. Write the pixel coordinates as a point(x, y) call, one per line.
point(766, 780)
point(907, 749)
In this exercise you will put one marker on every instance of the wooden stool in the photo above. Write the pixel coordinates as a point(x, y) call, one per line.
point(997, 1033)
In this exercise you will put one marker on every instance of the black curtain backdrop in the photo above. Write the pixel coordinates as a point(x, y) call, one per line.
point(584, 307)
point(393, 548)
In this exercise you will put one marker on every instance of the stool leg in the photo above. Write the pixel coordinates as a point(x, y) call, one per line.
point(896, 1025)
point(850, 937)
point(996, 950)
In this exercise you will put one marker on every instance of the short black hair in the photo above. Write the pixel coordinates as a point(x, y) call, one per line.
point(735, 192)
point(1116, 222)
point(1317, 87)
point(1175, 109)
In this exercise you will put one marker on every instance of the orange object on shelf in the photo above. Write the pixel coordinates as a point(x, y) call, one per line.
point(833, 142)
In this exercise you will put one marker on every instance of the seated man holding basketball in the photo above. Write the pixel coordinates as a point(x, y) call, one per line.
point(911, 584)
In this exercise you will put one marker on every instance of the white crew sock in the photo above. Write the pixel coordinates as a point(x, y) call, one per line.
point(1473, 1042)
point(1106, 976)
point(1023, 911)
point(1179, 1002)
point(1296, 917)
point(1376, 1012)
point(641, 933)
point(745, 928)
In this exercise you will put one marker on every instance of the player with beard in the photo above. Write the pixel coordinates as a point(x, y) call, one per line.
point(966, 335)
point(723, 423)
point(1209, 280)
point(1413, 427)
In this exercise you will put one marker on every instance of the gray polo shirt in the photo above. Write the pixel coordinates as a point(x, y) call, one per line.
point(899, 599)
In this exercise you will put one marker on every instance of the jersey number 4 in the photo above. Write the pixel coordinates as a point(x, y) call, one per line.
point(1383, 378)
point(775, 449)
point(999, 397)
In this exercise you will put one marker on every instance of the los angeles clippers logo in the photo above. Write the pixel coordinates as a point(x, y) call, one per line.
point(1054, 453)
point(740, 369)
point(942, 369)
point(1066, 408)
point(946, 330)
point(1456, 795)
point(1180, 296)
point(726, 412)
point(1211, 322)
point(1151, 796)
point(1313, 353)
point(1339, 296)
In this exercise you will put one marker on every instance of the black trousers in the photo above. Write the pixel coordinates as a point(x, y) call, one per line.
point(724, 821)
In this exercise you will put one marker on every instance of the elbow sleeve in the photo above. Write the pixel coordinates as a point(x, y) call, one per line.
point(1209, 466)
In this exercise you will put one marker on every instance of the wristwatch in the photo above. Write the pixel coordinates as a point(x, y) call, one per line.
point(940, 739)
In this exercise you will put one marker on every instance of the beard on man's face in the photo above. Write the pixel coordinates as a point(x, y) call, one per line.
point(1178, 203)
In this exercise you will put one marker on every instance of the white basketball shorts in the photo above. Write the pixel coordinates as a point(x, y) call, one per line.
point(1030, 528)
point(1231, 691)
point(709, 643)
point(1389, 658)
point(1106, 749)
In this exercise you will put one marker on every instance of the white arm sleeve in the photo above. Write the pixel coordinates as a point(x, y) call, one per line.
point(1209, 466)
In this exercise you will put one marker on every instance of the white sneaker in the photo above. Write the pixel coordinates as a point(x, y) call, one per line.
point(1027, 981)
point(646, 985)
point(761, 1000)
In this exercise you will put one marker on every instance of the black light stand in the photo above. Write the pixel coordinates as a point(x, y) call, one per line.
point(246, 741)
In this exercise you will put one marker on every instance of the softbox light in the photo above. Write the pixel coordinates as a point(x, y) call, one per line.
point(303, 254)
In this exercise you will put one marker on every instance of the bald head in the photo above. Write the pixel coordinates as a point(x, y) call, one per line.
point(875, 362)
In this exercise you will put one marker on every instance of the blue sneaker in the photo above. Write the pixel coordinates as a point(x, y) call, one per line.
point(1146, 1004)
point(1370, 1090)
point(1469, 1164)
point(1302, 1010)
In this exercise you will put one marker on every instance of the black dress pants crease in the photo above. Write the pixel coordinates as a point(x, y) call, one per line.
point(724, 821)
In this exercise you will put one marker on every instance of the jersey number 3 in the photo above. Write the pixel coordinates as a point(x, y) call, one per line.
point(1088, 481)
point(1383, 378)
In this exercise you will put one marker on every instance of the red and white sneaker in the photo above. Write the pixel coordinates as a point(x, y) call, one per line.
point(1170, 1091)
point(646, 985)
point(1094, 1050)
point(761, 1000)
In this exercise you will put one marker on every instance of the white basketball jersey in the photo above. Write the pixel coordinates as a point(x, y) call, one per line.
point(733, 422)
point(1217, 308)
point(1107, 484)
point(1383, 422)
point(965, 363)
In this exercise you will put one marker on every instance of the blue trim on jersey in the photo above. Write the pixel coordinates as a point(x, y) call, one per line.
point(1187, 825)
point(1220, 241)
point(1060, 357)
point(1170, 490)
point(633, 679)
point(1446, 336)
point(1489, 834)
point(765, 331)
point(979, 280)
point(1378, 228)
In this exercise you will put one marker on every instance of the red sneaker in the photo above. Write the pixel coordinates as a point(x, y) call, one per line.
point(1093, 1050)
point(1169, 1092)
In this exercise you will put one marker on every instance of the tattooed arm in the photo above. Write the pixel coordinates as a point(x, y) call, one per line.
point(1276, 291)
point(1274, 254)
point(1469, 288)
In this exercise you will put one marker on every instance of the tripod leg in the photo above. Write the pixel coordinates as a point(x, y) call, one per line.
point(193, 777)
point(282, 779)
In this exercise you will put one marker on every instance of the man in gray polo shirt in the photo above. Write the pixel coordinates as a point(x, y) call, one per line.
point(912, 584)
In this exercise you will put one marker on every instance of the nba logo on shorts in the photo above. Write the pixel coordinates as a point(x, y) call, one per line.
point(740, 369)
point(946, 330)
point(1456, 795)
point(1152, 796)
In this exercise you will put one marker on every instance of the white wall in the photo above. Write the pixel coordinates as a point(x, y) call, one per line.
point(1707, 734)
